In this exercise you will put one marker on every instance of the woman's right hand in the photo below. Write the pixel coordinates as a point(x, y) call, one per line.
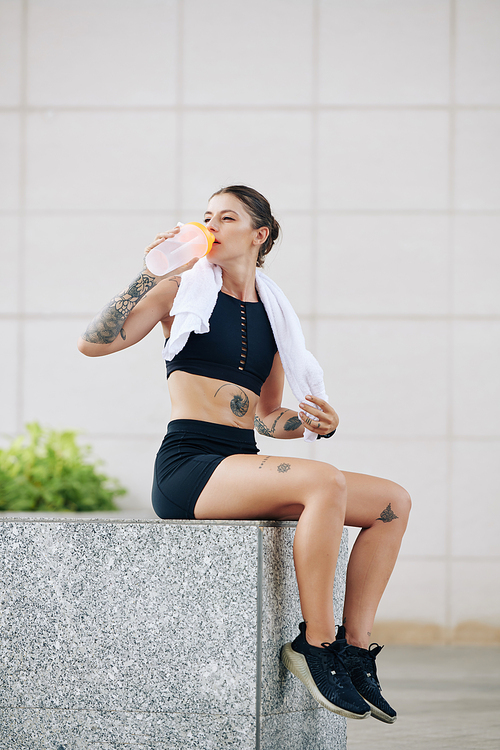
point(157, 241)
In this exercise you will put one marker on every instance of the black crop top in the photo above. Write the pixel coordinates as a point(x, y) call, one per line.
point(239, 347)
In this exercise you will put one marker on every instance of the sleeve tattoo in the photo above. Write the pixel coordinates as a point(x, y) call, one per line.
point(108, 324)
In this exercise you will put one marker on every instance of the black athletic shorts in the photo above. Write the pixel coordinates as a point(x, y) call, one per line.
point(190, 453)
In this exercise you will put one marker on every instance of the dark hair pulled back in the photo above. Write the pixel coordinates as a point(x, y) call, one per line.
point(259, 209)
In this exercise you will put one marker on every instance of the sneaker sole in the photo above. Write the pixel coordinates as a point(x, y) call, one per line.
point(377, 713)
point(297, 665)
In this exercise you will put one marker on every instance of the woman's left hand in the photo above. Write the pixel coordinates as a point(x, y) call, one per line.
point(321, 418)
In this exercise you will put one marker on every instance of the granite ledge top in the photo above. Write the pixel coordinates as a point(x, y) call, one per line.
point(127, 519)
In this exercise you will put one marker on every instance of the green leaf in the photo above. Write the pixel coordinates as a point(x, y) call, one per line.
point(48, 470)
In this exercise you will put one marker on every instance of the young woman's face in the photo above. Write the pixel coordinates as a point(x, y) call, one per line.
point(228, 220)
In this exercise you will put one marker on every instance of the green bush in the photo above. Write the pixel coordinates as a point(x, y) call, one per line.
point(47, 470)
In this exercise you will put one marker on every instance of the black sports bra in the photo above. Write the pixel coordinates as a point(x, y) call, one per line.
point(239, 347)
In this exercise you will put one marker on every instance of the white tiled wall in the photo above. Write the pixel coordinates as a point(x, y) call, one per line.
point(373, 126)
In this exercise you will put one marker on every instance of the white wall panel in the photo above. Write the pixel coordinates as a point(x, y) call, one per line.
point(476, 498)
point(10, 380)
point(476, 267)
point(75, 264)
point(9, 264)
point(102, 52)
point(100, 161)
point(389, 377)
point(132, 460)
point(416, 592)
point(476, 375)
point(270, 151)
point(478, 161)
point(290, 263)
point(478, 52)
point(239, 53)
point(474, 589)
point(10, 174)
point(383, 265)
point(383, 160)
point(123, 394)
point(10, 51)
point(384, 52)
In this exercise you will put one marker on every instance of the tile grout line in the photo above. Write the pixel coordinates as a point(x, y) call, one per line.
point(450, 323)
point(21, 289)
point(179, 111)
point(274, 108)
point(314, 170)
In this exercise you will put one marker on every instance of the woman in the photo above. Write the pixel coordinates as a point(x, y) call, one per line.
point(222, 384)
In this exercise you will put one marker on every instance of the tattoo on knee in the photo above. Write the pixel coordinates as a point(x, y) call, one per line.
point(387, 515)
point(282, 468)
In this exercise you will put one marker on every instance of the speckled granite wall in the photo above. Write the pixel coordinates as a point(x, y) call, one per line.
point(154, 635)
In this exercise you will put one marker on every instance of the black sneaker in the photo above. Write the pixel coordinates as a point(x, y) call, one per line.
point(322, 671)
point(360, 663)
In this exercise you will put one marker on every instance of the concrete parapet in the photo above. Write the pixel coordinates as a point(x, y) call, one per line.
point(157, 635)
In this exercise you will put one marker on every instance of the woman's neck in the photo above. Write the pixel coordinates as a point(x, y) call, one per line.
point(239, 285)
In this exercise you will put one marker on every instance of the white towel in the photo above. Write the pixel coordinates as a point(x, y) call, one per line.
point(194, 304)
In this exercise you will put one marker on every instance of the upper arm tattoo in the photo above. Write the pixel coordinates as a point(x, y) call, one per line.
point(108, 324)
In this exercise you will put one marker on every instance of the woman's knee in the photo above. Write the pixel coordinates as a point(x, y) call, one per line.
point(329, 486)
point(400, 502)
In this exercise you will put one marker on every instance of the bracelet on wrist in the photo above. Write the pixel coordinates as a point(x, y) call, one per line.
point(329, 435)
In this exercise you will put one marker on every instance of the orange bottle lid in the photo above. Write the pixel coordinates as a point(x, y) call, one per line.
point(210, 237)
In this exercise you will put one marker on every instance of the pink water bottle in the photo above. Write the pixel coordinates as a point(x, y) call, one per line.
point(193, 241)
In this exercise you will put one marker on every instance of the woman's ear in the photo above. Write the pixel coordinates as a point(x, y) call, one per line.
point(261, 235)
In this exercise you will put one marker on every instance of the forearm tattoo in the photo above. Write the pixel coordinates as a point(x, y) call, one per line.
point(387, 515)
point(263, 429)
point(108, 324)
point(239, 403)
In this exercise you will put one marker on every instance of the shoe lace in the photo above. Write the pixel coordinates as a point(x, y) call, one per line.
point(368, 660)
point(332, 655)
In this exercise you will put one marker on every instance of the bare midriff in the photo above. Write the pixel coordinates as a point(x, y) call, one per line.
point(211, 400)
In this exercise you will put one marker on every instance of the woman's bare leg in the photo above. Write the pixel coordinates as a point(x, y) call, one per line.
point(381, 508)
point(314, 493)
point(322, 499)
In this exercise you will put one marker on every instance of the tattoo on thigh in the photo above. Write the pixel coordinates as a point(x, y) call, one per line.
point(240, 402)
point(282, 468)
point(264, 461)
point(387, 515)
point(292, 424)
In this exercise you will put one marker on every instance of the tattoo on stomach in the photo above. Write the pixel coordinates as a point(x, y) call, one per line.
point(239, 403)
